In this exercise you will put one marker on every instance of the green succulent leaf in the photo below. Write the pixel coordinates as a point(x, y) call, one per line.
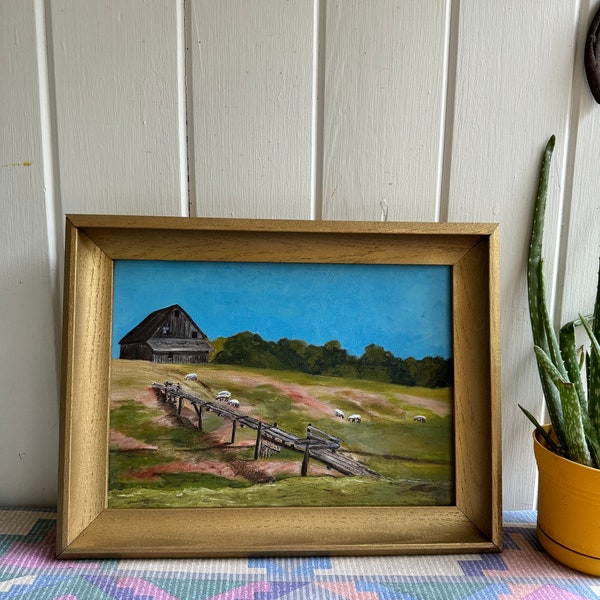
point(568, 350)
point(576, 446)
point(552, 445)
point(594, 374)
point(574, 410)
point(543, 335)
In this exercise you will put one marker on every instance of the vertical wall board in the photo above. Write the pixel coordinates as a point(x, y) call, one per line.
point(116, 103)
point(581, 233)
point(384, 108)
point(513, 85)
point(582, 249)
point(250, 101)
point(28, 346)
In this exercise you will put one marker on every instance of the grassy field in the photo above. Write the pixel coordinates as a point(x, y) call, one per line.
point(160, 459)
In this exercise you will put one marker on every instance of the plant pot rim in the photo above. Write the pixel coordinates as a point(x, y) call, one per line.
point(540, 445)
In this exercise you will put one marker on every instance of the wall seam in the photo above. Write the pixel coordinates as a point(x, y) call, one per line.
point(449, 105)
point(182, 110)
point(188, 90)
point(50, 158)
point(318, 109)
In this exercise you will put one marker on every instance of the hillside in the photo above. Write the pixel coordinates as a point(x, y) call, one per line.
point(159, 458)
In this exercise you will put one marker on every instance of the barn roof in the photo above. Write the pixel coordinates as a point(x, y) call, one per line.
point(151, 325)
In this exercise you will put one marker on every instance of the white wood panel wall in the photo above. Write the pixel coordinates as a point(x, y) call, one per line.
point(28, 344)
point(116, 94)
point(250, 102)
point(384, 108)
point(350, 109)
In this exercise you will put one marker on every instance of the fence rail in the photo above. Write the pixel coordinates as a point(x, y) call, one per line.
point(318, 444)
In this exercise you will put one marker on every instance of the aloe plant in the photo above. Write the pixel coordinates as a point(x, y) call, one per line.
point(573, 407)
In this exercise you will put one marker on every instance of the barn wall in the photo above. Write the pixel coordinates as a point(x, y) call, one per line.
point(180, 325)
point(428, 110)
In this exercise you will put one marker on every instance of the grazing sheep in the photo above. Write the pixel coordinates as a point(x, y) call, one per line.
point(233, 402)
point(191, 377)
point(339, 413)
point(224, 396)
point(420, 419)
point(354, 419)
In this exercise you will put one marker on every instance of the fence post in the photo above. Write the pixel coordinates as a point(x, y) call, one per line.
point(258, 439)
point(304, 470)
point(199, 413)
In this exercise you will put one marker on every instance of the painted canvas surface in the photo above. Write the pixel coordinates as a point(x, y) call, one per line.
point(276, 384)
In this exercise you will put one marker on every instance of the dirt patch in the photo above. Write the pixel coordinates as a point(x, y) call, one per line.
point(210, 467)
point(170, 417)
point(146, 396)
point(245, 381)
point(254, 471)
point(438, 407)
point(119, 441)
point(222, 436)
point(314, 406)
point(274, 468)
point(358, 399)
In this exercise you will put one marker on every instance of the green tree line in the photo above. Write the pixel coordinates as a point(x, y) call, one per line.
point(375, 364)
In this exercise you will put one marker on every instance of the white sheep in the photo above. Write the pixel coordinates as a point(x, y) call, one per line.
point(339, 413)
point(233, 402)
point(191, 377)
point(354, 419)
point(224, 396)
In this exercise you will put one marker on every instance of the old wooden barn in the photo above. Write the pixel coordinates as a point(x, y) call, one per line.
point(167, 335)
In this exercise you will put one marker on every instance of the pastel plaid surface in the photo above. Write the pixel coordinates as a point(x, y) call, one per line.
point(28, 570)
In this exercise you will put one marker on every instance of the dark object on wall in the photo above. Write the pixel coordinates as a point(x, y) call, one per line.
point(168, 335)
point(592, 57)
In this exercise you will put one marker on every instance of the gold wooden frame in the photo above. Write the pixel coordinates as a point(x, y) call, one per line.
point(87, 528)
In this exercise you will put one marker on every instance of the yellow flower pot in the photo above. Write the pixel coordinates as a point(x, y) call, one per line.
point(568, 525)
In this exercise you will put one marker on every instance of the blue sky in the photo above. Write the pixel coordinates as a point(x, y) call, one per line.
point(404, 308)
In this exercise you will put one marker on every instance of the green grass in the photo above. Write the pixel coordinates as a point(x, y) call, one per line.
point(414, 460)
point(316, 491)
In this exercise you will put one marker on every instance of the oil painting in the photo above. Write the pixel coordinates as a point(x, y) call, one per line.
point(247, 384)
point(261, 387)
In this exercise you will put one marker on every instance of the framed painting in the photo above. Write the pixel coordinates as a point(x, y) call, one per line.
point(262, 387)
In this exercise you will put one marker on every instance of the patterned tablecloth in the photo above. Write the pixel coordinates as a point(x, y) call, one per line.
point(28, 570)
